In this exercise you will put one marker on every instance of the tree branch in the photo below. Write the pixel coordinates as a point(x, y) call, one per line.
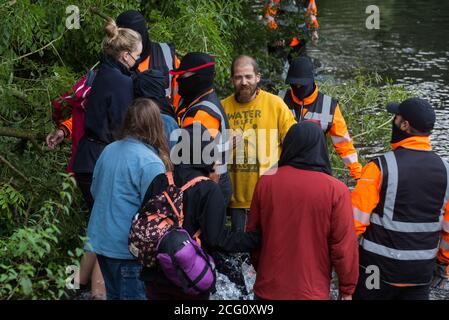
point(21, 133)
point(2, 159)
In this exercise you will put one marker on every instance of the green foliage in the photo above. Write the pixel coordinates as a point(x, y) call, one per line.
point(34, 245)
point(362, 102)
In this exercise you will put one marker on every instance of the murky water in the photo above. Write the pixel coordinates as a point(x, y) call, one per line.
point(411, 47)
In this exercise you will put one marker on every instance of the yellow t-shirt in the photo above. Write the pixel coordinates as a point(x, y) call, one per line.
point(263, 124)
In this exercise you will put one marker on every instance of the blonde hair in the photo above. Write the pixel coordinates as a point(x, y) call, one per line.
point(119, 39)
point(143, 121)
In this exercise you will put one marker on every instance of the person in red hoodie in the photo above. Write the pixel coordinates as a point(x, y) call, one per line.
point(305, 217)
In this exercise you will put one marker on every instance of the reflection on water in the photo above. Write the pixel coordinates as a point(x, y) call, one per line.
point(410, 48)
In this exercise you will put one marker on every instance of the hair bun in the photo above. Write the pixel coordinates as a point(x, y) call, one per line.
point(111, 29)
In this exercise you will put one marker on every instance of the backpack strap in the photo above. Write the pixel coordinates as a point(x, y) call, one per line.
point(193, 182)
point(179, 215)
point(169, 176)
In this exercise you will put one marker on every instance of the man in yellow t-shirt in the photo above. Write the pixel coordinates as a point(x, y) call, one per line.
point(260, 120)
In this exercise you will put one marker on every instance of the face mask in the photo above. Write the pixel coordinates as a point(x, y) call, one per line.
point(397, 134)
point(134, 66)
point(303, 91)
point(191, 87)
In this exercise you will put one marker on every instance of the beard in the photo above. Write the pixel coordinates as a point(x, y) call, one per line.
point(245, 94)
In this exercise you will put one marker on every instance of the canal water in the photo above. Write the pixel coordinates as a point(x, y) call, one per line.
point(411, 48)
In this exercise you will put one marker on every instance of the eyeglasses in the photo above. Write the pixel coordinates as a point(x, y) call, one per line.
point(135, 59)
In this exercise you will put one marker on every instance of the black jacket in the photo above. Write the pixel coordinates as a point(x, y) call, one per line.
point(204, 208)
point(110, 97)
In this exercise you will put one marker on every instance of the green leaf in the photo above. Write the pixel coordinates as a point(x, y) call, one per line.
point(26, 285)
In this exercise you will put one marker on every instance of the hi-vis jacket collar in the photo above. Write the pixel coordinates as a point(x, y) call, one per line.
point(209, 64)
point(307, 100)
point(415, 143)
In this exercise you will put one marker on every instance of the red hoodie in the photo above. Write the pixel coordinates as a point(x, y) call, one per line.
point(307, 229)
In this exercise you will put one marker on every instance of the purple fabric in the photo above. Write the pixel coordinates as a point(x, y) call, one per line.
point(192, 262)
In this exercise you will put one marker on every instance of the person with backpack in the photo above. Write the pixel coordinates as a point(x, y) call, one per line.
point(306, 220)
point(204, 216)
point(121, 177)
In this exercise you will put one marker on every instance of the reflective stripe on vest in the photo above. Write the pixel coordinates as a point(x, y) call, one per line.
point(168, 58)
point(281, 94)
point(223, 145)
point(386, 220)
point(398, 254)
point(325, 117)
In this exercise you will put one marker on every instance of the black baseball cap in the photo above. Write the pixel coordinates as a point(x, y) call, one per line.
point(300, 71)
point(418, 112)
point(194, 61)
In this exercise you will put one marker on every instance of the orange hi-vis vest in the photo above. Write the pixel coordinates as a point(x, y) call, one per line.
point(207, 110)
point(326, 111)
point(401, 212)
point(162, 57)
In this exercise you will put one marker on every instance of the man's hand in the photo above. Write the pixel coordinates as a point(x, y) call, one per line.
point(54, 138)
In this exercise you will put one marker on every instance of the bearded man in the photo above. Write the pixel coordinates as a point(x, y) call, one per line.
point(262, 120)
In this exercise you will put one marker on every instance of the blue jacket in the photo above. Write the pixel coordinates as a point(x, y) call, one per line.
point(110, 97)
point(121, 177)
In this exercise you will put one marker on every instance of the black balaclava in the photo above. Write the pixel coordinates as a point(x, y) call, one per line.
point(152, 84)
point(397, 134)
point(304, 90)
point(304, 147)
point(134, 20)
point(192, 87)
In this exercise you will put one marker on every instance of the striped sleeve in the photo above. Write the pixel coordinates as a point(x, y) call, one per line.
point(343, 144)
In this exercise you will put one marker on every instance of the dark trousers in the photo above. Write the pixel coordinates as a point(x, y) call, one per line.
point(387, 291)
point(161, 292)
point(84, 182)
point(238, 218)
point(122, 279)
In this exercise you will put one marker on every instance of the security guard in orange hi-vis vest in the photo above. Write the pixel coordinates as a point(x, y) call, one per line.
point(199, 103)
point(276, 12)
point(307, 102)
point(401, 211)
point(159, 56)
